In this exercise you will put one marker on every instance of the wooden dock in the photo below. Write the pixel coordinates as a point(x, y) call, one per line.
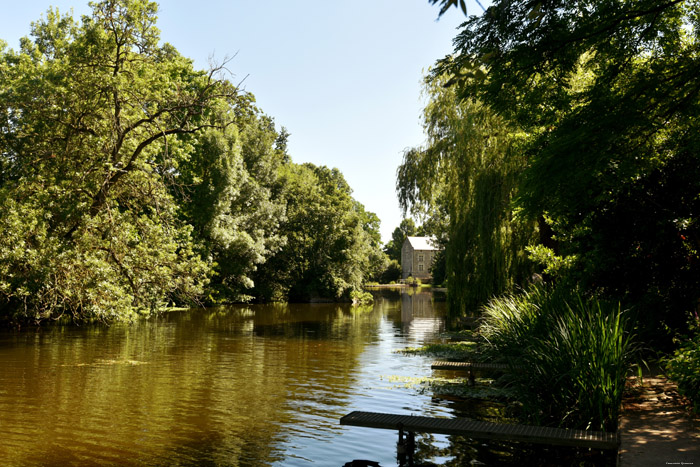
point(483, 430)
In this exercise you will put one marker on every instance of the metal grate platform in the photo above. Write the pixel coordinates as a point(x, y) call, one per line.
point(445, 365)
point(484, 430)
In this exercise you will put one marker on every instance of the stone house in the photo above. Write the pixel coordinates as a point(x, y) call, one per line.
point(417, 254)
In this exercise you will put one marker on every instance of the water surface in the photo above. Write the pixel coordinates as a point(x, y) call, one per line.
point(241, 385)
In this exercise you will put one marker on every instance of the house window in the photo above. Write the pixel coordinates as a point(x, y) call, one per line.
point(420, 258)
point(420, 267)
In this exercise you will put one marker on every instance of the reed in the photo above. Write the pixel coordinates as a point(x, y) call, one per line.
point(574, 354)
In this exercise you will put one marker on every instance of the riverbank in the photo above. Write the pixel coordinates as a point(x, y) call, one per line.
point(657, 427)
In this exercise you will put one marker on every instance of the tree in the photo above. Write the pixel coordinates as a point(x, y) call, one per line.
point(467, 176)
point(331, 239)
point(229, 192)
point(446, 4)
point(392, 272)
point(406, 228)
point(377, 260)
point(92, 117)
point(606, 91)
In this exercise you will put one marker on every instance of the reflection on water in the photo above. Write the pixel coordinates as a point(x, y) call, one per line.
point(241, 385)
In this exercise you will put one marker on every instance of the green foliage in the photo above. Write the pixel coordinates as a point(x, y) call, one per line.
point(377, 261)
point(228, 191)
point(684, 365)
point(360, 297)
point(570, 355)
point(129, 181)
point(606, 94)
point(553, 265)
point(407, 228)
point(331, 240)
point(446, 4)
point(413, 281)
point(392, 273)
point(465, 180)
point(438, 269)
point(85, 169)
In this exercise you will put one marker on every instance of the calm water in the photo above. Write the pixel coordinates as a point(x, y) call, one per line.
point(243, 385)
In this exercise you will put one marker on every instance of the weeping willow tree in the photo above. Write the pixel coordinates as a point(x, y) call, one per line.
point(464, 179)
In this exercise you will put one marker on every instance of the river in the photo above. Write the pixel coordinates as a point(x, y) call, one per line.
point(239, 385)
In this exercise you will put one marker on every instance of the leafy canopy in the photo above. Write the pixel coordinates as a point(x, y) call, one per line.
point(607, 94)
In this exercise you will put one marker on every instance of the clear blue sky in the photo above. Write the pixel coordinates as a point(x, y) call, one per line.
point(343, 76)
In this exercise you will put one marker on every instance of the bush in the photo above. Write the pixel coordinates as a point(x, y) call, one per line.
point(360, 297)
point(572, 354)
point(392, 273)
point(684, 366)
point(414, 281)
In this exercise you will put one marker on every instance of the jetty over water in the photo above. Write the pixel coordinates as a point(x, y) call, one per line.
point(446, 365)
point(470, 367)
point(483, 430)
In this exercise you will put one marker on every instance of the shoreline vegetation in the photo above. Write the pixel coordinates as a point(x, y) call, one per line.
point(568, 358)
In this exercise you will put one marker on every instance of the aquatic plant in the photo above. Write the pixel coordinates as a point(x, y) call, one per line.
point(572, 355)
point(465, 351)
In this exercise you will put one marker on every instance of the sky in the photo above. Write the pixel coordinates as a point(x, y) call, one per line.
point(344, 77)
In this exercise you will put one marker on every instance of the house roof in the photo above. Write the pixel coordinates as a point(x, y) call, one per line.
point(422, 243)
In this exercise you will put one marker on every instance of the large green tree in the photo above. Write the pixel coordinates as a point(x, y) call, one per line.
point(129, 180)
point(92, 115)
point(229, 192)
point(608, 93)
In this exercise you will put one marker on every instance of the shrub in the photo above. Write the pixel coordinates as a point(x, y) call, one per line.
point(392, 273)
point(413, 281)
point(684, 365)
point(360, 297)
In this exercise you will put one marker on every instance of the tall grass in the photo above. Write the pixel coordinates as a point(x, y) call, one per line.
point(570, 355)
